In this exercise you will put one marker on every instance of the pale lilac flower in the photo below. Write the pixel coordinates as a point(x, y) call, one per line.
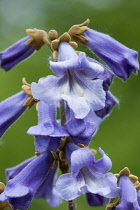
point(16, 54)
point(87, 175)
point(48, 132)
point(11, 109)
point(121, 60)
point(75, 82)
point(23, 185)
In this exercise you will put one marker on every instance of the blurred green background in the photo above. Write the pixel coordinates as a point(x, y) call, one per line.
point(119, 135)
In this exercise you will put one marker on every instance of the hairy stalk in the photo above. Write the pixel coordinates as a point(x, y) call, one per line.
point(72, 203)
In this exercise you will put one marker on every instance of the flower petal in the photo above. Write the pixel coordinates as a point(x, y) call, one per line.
point(80, 158)
point(103, 164)
point(46, 143)
point(67, 187)
point(46, 87)
point(47, 190)
point(95, 199)
point(109, 104)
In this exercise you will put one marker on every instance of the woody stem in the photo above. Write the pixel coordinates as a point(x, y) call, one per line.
point(71, 203)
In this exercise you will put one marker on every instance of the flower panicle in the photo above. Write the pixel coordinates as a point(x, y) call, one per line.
point(70, 104)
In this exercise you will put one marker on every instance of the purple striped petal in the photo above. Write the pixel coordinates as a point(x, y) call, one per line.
point(21, 189)
point(121, 60)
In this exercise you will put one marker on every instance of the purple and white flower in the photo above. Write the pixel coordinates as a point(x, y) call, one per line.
point(75, 82)
point(87, 175)
point(47, 133)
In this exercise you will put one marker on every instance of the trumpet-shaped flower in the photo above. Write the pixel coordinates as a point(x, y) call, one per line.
point(23, 185)
point(121, 60)
point(46, 189)
point(75, 82)
point(16, 54)
point(10, 110)
point(87, 175)
point(47, 133)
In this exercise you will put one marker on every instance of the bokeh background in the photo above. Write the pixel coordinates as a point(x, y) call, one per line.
point(119, 135)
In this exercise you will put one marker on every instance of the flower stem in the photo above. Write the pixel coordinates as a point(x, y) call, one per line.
point(72, 205)
point(62, 113)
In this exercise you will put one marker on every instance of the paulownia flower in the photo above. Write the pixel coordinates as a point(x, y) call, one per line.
point(11, 109)
point(122, 60)
point(75, 82)
point(87, 175)
point(47, 133)
point(24, 180)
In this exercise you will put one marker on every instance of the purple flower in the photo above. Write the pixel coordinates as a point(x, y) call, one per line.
point(95, 199)
point(87, 175)
point(128, 195)
point(47, 133)
point(20, 190)
point(121, 60)
point(47, 190)
point(16, 54)
point(10, 110)
point(75, 82)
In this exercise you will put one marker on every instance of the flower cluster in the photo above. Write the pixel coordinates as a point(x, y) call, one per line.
point(79, 91)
